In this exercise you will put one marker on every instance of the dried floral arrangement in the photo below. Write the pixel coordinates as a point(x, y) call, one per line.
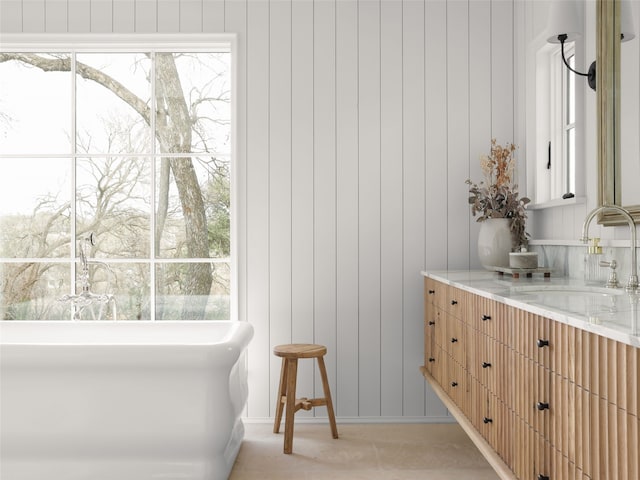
point(497, 196)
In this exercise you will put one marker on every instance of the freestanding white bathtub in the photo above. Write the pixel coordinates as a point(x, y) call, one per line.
point(121, 400)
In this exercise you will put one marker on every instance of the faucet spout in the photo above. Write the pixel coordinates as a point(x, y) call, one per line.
point(632, 284)
point(84, 248)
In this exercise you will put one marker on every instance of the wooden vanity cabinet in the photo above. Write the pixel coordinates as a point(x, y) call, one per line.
point(541, 399)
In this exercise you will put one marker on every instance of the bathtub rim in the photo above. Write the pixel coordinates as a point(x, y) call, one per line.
point(240, 332)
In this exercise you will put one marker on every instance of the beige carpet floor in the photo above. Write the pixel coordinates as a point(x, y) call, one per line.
point(367, 452)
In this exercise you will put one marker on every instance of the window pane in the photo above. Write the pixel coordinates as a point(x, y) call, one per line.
point(34, 208)
point(35, 105)
point(107, 123)
point(200, 187)
point(30, 291)
point(193, 291)
point(193, 92)
point(571, 95)
point(113, 202)
point(571, 159)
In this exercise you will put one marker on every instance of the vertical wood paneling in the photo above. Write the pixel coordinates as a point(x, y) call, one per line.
point(458, 134)
point(33, 16)
point(324, 176)
point(369, 200)
point(258, 204)
point(168, 16)
point(11, 16)
point(124, 16)
point(413, 204)
point(302, 273)
point(191, 18)
point(146, 16)
point(502, 108)
point(346, 395)
point(79, 16)
point(479, 102)
point(279, 181)
point(435, 83)
point(391, 236)
point(436, 211)
point(358, 123)
point(101, 16)
point(56, 16)
point(213, 16)
point(520, 99)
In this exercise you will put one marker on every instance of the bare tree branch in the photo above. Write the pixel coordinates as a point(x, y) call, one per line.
point(85, 71)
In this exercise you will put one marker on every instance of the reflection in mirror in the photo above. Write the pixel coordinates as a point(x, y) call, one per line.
point(629, 111)
point(619, 107)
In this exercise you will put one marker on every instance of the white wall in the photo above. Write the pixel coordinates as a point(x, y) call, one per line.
point(359, 122)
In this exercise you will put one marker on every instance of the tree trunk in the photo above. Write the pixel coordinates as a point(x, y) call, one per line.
point(174, 134)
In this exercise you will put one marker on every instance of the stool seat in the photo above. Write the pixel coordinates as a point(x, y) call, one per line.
point(300, 350)
point(290, 353)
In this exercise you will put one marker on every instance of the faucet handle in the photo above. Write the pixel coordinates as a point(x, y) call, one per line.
point(612, 282)
point(612, 264)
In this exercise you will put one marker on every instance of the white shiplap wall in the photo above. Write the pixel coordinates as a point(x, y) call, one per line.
point(359, 121)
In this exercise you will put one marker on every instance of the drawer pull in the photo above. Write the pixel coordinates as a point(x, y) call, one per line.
point(431, 359)
point(485, 364)
point(431, 292)
point(454, 302)
point(487, 420)
point(542, 406)
point(543, 477)
point(486, 317)
point(454, 384)
point(543, 343)
point(431, 322)
point(454, 340)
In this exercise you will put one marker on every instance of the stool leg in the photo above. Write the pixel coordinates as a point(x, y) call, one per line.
point(282, 391)
point(292, 373)
point(327, 396)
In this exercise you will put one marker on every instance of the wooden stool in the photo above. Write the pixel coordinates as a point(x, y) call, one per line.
point(287, 390)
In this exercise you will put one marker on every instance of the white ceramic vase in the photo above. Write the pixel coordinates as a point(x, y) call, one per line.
point(494, 243)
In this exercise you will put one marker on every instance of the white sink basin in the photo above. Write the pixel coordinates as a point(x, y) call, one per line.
point(583, 300)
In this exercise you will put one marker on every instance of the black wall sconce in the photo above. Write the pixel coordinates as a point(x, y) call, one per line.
point(564, 26)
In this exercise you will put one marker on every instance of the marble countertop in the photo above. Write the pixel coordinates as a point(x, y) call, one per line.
point(612, 313)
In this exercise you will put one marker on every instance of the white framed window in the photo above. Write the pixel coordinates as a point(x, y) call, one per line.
point(131, 139)
point(555, 125)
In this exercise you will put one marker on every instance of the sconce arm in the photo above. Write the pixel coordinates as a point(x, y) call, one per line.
point(591, 74)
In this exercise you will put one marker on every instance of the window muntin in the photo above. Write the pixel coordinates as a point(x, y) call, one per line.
point(114, 172)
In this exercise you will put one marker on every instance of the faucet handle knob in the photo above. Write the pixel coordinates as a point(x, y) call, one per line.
point(612, 282)
point(612, 264)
